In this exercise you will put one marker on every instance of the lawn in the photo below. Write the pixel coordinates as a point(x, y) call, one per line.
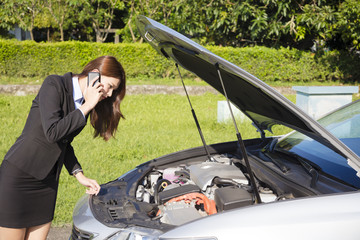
point(155, 125)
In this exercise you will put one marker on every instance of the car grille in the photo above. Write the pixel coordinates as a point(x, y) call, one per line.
point(77, 234)
point(113, 214)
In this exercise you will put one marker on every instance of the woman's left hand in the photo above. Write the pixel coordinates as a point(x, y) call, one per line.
point(92, 186)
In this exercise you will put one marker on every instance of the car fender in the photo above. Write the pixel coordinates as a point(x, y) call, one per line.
point(327, 217)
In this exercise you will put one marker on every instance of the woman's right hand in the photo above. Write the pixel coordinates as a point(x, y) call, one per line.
point(92, 96)
point(92, 186)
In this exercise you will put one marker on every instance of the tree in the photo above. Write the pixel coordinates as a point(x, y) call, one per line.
point(44, 21)
point(273, 23)
point(23, 13)
point(159, 10)
point(60, 11)
point(349, 24)
point(101, 15)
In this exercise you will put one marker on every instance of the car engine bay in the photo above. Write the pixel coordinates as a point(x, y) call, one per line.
point(178, 188)
point(186, 193)
point(171, 191)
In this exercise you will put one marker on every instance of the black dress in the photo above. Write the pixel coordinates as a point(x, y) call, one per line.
point(25, 201)
point(31, 168)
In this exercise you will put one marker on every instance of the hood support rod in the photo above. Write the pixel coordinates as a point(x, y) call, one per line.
point(240, 141)
point(195, 118)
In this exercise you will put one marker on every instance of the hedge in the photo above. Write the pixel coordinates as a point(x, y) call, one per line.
point(31, 59)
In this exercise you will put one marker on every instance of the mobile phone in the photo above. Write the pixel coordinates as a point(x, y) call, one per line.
point(92, 76)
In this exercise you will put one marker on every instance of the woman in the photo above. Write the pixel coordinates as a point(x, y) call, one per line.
point(30, 171)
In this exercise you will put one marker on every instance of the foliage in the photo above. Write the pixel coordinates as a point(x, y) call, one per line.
point(334, 26)
point(29, 59)
point(100, 13)
point(68, 14)
point(264, 22)
point(60, 12)
point(349, 23)
point(23, 13)
point(320, 24)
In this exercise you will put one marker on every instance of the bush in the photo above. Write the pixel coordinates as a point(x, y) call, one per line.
point(31, 59)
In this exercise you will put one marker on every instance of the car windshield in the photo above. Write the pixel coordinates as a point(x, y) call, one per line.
point(345, 125)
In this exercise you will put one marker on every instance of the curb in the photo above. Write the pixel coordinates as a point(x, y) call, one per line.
point(22, 90)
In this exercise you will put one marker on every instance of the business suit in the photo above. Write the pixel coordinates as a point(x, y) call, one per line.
point(42, 148)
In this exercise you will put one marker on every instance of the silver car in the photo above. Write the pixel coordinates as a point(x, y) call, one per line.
point(304, 185)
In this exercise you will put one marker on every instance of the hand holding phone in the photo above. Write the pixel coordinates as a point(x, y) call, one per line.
point(92, 76)
point(92, 95)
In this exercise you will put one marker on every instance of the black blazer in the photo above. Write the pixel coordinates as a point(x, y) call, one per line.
point(45, 143)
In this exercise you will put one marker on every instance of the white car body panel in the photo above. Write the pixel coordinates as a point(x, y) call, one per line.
point(331, 217)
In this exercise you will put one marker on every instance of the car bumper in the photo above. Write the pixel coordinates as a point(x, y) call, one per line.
point(85, 225)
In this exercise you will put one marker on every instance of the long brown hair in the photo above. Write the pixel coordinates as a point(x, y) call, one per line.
point(106, 115)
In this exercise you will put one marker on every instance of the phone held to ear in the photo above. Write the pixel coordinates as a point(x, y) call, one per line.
point(92, 76)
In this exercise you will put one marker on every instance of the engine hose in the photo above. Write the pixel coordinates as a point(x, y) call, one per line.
point(223, 181)
point(209, 205)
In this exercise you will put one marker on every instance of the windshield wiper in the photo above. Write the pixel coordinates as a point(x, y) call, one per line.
point(268, 149)
point(277, 162)
point(304, 163)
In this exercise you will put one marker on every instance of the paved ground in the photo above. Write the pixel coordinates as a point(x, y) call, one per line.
point(21, 90)
point(59, 233)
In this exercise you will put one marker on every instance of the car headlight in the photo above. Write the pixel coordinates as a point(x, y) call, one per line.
point(191, 238)
point(136, 233)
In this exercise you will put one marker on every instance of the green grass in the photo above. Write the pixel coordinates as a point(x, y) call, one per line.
point(155, 125)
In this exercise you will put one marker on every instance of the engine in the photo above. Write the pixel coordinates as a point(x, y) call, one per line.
point(189, 192)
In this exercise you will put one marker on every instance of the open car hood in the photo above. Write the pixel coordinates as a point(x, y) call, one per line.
point(261, 103)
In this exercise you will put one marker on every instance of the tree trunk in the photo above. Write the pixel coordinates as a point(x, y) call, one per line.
point(129, 23)
point(61, 32)
point(131, 31)
point(31, 34)
point(98, 36)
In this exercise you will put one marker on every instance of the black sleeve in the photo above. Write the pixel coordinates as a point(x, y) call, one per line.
point(71, 163)
point(55, 124)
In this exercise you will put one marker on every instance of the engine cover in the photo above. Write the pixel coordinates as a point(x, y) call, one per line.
point(203, 174)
